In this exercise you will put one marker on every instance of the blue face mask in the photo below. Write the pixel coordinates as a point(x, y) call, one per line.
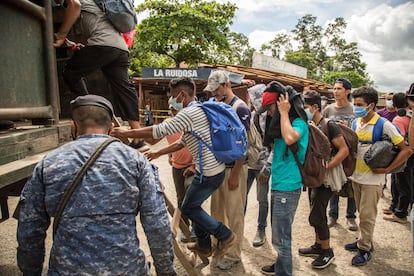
point(174, 104)
point(360, 111)
point(308, 114)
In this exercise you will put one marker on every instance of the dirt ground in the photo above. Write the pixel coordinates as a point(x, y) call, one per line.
point(393, 253)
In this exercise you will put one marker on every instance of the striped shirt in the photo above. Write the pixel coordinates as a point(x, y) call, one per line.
point(363, 174)
point(192, 118)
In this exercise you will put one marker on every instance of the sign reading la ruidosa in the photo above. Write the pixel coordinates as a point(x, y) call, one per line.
point(194, 73)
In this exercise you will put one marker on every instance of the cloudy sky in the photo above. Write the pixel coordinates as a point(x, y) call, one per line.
point(384, 31)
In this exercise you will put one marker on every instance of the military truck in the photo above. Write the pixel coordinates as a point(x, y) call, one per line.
point(30, 102)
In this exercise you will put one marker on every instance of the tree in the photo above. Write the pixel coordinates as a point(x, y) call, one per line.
point(310, 38)
point(303, 59)
point(308, 34)
point(187, 31)
point(241, 51)
point(322, 51)
point(278, 46)
point(356, 79)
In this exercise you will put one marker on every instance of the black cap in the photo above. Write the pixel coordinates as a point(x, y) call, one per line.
point(345, 83)
point(94, 100)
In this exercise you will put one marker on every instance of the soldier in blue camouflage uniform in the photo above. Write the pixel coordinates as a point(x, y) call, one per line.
point(97, 233)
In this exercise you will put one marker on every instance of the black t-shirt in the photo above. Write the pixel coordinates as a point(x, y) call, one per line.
point(333, 131)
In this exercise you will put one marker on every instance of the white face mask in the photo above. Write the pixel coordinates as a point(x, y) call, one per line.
point(389, 103)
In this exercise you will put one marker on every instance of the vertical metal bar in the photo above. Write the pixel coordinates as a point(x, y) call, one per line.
point(51, 65)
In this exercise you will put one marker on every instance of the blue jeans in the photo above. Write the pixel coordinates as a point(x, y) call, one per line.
point(334, 207)
point(203, 224)
point(262, 197)
point(283, 205)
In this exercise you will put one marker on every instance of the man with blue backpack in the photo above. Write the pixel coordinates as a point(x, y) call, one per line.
point(227, 203)
point(200, 130)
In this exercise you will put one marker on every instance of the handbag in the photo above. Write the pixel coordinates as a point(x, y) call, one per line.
point(76, 180)
point(381, 154)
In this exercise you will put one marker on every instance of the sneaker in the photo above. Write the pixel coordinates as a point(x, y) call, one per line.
point(224, 245)
point(324, 259)
point(387, 211)
point(394, 218)
point(269, 269)
point(141, 145)
point(361, 258)
point(313, 251)
point(227, 264)
point(204, 252)
point(354, 247)
point(352, 226)
point(331, 222)
point(260, 238)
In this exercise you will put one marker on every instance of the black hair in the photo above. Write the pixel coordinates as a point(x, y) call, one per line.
point(345, 83)
point(312, 97)
point(369, 94)
point(400, 102)
point(90, 116)
point(183, 83)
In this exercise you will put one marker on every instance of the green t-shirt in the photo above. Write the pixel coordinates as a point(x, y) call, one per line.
point(285, 172)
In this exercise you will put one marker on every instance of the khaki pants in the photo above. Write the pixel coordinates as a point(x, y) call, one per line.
point(366, 199)
point(228, 207)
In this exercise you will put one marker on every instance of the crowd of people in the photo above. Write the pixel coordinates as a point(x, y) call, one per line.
point(97, 230)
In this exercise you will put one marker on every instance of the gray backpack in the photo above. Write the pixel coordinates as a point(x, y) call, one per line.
point(121, 13)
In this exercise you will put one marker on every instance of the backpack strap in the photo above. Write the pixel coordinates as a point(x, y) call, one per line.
point(200, 152)
point(201, 142)
point(376, 131)
point(76, 180)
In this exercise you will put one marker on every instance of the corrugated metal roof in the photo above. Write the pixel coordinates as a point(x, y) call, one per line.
point(265, 76)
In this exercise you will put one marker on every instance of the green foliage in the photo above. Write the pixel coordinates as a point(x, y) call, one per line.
point(356, 79)
point(303, 59)
point(279, 45)
point(308, 34)
point(185, 31)
point(321, 51)
point(241, 51)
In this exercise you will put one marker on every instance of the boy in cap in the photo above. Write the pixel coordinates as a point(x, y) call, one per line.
point(119, 184)
point(341, 111)
point(227, 203)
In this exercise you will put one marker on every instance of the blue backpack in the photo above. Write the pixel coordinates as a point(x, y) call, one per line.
point(121, 13)
point(228, 134)
point(376, 132)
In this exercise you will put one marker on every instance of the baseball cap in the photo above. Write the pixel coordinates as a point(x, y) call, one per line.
point(345, 83)
point(93, 100)
point(215, 79)
point(269, 98)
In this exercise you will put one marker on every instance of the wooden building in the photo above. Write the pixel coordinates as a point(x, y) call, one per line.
point(153, 88)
